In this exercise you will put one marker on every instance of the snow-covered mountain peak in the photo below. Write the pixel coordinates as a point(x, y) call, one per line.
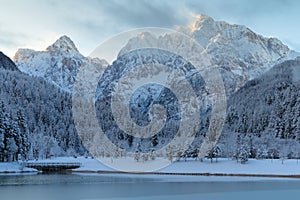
point(64, 44)
point(22, 54)
point(206, 30)
point(241, 53)
point(59, 63)
point(145, 37)
point(142, 39)
point(201, 20)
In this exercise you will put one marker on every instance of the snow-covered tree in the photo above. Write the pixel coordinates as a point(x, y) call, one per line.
point(152, 155)
point(145, 157)
point(2, 136)
point(12, 149)
point(137, 156)
point(2, 146)
point(169, 153)
point(24, 143)
point(215, 152)
point(282, 156)
point(244, 154)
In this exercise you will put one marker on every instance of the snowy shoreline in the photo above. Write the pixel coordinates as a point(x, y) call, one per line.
point(224, 167)
point(15, 168)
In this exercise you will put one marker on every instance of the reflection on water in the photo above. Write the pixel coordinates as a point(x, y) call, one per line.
point(75, 186)
point(57, 179)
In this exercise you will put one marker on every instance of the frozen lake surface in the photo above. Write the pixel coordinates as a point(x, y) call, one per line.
point(96, 186)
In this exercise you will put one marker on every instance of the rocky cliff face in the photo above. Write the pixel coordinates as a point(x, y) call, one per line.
point(240, 53)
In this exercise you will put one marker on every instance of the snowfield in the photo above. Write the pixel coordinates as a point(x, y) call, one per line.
point(223, 166)
point(228, 166)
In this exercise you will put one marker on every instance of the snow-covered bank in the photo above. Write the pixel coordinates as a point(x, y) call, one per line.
point(14, 167)
point(222, 167)
point(228, 166)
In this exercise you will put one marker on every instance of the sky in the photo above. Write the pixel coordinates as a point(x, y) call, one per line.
point(36, 24)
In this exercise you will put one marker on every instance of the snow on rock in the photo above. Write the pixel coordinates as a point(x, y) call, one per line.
point(239, 52)
point(59, 63)
point(64, 44)
point(236, 49)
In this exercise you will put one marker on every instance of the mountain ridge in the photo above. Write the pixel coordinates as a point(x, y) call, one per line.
point(7, 63)
point(240, 53)
point(266, 112)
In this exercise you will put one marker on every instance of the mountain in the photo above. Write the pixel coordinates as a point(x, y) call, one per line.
point(146, 97)
point(59, 63)
point(263, 100)
point(241, 56)
point(265, 112)
point(237, 51)
point(240, 53)
point(7, 63)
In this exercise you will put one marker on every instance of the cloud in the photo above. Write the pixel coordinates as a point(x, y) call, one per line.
point(144, 13)
point(88, 23)
point(10, 40)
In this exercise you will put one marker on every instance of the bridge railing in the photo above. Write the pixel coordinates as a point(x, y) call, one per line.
point(50, 164)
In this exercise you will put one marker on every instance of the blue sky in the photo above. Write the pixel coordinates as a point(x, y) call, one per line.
point(38, 23)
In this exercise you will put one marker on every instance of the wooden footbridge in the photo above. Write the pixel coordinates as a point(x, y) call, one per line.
point(53, 166)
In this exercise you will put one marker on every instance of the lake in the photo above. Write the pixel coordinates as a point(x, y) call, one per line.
point(97, 186)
